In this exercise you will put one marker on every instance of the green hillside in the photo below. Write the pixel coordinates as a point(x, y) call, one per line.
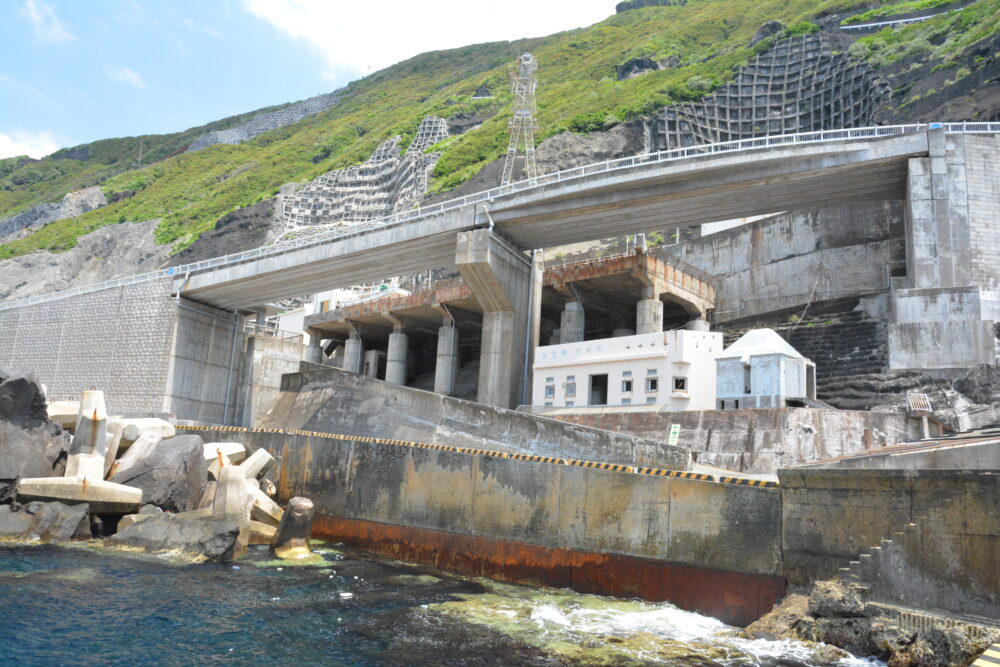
point(578, 91)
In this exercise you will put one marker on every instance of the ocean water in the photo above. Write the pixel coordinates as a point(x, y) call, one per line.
point(81, 605)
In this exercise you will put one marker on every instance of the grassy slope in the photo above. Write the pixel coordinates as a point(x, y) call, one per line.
point(578, 91)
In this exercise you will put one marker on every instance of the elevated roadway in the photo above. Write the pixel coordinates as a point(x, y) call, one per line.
point(644, 193)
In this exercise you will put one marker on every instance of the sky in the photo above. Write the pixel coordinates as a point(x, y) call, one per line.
point(74, 71)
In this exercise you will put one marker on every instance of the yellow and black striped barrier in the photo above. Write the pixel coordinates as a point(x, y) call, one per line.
point(991, 658)
point(534, 458)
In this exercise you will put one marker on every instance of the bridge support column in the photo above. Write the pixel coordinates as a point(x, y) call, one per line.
point(503, 281)
point(649, 314)
point(942, 314)
point(370, 368)
point(353, 353)
point(314, 350)
point(571, 323)
point(395, 363)
point(446, 368)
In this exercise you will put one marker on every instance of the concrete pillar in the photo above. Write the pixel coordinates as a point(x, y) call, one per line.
point(697, 324)
point(395, 362)
point(446, 369)
point(502, 281)
point(353, 353)
point(89, 445)
point(649, 316)
point(232, 504)
point(370, 368)
point(571, 323)
point(314, 350)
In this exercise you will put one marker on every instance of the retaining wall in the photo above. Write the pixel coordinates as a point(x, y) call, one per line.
point(760, 440)
point(831, 516)
point(707, 546)
point(330, 400)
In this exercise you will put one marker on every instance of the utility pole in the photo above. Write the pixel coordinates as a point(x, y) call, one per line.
point(522, 125)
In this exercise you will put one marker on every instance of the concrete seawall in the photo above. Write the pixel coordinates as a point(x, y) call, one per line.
point(703, 545)
point(330, 400)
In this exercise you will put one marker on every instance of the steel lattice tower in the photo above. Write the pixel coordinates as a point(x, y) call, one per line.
point(522, 125)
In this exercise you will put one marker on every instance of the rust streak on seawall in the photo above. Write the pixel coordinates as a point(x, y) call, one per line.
point(736, 598)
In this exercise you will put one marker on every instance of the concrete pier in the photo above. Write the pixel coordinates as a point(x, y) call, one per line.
point(649, 316)
point(395, 364)
point(571, 323)
point(370, 367)
point(314, 350)
point(502, 280)
point(353, 353)
point(446, 366)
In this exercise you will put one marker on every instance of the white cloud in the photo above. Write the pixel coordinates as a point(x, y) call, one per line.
point(357, 37)
point(45, 23)
point(35, 144)
point(124, 75)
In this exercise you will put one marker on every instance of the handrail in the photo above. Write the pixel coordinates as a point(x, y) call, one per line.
point(880, 24)
point(673, 155)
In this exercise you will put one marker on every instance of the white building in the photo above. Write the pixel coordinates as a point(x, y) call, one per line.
point(761, 370)
point(670, 370)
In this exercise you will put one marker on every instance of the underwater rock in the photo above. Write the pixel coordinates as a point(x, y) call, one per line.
point(198, 539)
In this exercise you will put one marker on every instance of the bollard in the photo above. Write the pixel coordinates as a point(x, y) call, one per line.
point(292, 539)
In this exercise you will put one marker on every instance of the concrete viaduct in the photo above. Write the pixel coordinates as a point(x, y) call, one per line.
point(941, 313)
point(486, 239)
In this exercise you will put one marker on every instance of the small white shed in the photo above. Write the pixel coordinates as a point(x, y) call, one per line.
point(761, 370)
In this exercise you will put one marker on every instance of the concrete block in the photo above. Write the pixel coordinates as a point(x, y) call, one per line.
point(89, 445)
point(65, 413)
point(103, 497)
point(217, 464)
point(263, 509)
point(232, 504)
point(261, 533)
point(234, 451)
point(136, 427)
point(291, 539)
point(258, 464)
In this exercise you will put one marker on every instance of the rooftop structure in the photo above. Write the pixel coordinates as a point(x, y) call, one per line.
point(761, 370)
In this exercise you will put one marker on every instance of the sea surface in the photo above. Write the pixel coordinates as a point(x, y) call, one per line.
point(81, 605)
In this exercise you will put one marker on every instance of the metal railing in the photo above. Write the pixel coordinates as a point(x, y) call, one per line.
point(254, 329)
point(882, 24)
point(519, 187)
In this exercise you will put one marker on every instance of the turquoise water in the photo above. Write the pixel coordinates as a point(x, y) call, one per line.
point(81, 606)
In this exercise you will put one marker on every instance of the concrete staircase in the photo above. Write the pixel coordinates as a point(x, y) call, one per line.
point(898, 582)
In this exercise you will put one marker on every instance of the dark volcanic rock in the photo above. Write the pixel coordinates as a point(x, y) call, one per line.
point(196, 538)
point(22, 401)
point(981, 384)
point(243, 229)
point(48, 522)
point(766, 30)
point(636, 66)
point(172, 476)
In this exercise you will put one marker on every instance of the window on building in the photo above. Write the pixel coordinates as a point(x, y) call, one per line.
point(652, 384)
point(626, 401)
point(548, 404)
point(550, 391)
point(550, 380)
point(626, 374)
point(570, 389)
point(680, 384)
point(626, 386)
point(650, 371)
point(569, 404)
point(651, 399)
point(746, 379)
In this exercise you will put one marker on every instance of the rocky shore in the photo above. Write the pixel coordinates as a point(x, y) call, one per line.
point(70, 472)
point(835, 612)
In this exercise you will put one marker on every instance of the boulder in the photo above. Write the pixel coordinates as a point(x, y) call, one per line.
point(836, 599)
point(197, 539)
point(633, 67)
point(47, 522)
point(33, 453)
point(981, 384)
point(22, 400)
point(766, 30)
point(172, 474)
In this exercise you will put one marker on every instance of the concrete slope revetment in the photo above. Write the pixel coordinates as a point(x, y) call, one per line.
point(330, 400)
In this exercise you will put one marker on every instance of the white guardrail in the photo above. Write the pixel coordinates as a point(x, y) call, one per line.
point(416, 214)
point(882, 24)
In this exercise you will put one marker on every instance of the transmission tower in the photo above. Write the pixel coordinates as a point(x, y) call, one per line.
point(522, 125)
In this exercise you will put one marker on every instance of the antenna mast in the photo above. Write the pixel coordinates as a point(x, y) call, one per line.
point(522, 125)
